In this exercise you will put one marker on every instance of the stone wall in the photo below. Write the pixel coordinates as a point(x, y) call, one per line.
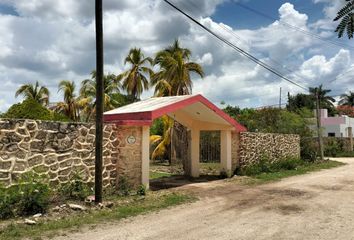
point(130, 154)
point(55, 149)
point(252, 146)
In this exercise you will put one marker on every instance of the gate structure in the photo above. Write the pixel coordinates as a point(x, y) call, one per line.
point(193, 111)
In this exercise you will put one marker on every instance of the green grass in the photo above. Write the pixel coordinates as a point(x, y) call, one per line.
point(303, 169)
point(345, 154)
point(156, 175)
point(152, 202)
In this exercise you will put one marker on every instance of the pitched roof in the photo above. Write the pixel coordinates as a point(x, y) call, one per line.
point(144, 112)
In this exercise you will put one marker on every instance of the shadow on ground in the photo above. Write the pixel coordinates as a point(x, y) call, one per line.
point(179, 180)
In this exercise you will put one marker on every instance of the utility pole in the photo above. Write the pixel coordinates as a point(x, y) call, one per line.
point(99, 101)
point(319, 131)
point(280, 99)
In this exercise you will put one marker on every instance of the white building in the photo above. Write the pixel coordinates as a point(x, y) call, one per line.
point(338, 126)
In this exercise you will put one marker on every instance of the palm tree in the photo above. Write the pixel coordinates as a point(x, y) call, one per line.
point(163, 142)
point(88, 93)
point(134, 79)
point(175, 69)
point(346, 16)
point(70, 106)
point(38, 93)
point(347, 99)
point(172, 79)
point(325, 101)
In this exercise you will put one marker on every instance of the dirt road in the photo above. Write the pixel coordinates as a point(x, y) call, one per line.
point(319, 205)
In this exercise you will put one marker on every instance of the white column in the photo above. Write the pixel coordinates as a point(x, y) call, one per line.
point(195, 139)
point(145, 156)
point(225, 151)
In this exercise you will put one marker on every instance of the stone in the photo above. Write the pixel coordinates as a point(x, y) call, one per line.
point(35, 160)
point(30, 222)
point(38, 215)
point(50, 159)
point(108, 204)
point(11, 147)
point(77, 207)
point(20, 166)
point(5, 165)
point(56, 209)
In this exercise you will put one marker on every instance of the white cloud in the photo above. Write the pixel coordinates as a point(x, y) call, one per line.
point(54, 40)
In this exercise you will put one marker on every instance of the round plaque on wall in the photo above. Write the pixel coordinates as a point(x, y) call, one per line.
point(131, 139)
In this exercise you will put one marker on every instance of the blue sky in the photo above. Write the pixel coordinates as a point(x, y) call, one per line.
point(50, 41)
point(237, 17)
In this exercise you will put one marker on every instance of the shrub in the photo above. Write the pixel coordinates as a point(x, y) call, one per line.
point(30, 109)
point(308, 149)
point(29, 196)
point(75, 189)
point(6, 210)
point(123, 186)
point(141, 190)
point(264, 165)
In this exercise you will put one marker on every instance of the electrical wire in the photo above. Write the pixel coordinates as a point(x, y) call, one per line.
point(303, 31)
point(236, 48)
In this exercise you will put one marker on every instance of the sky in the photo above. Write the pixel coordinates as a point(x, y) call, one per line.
point(50, 41)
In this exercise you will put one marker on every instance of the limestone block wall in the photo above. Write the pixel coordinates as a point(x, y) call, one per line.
point(235, 149)
point(55, 149)
point(252, 146)
point(129, 164)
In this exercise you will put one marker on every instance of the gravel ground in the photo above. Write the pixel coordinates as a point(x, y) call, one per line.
point(318, 205)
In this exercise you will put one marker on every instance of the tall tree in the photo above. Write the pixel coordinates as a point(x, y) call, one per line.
point(70, 106)
point(88, 93)
point(347, 99)
point(325, 100)
point(38, 93)
point(174, 76)
point(346, 17)
point(135, 78)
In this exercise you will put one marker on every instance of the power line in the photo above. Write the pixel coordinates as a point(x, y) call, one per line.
point(308, 33)
point(241, 51)
point(290, 71)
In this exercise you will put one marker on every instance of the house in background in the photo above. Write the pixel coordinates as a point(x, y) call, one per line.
point(338, 126)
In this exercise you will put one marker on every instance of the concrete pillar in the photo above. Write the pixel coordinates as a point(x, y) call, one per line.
point(225, 152)
point(145, 156)
point(350, 135)
point(195, 139)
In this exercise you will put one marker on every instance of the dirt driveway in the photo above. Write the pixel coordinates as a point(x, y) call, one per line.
point(314, 206)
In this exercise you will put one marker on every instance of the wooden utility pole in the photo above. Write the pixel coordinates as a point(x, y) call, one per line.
point(280, 99)
point(99, 101)
point(319, 131)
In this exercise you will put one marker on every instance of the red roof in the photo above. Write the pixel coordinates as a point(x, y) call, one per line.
point(144, 112)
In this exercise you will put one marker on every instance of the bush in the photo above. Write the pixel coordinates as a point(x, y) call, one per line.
point(141, 190)
point(123, 186)
point(76, 189)
point(332, 148)
point(308, 149)
point(30, 109)
point(29, 196)
point(265, 165)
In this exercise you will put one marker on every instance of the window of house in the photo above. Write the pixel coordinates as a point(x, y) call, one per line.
point(331, 134)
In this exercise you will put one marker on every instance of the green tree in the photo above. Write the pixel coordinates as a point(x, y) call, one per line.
point(174, 76)
point(325, 100)
point(88, 94)
point(135, 78)
point(38, 93)
point(70, 106)
point(299, 101)
point(162, 142)
point(346, 17)
point(347, 99)
point(31, 109)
